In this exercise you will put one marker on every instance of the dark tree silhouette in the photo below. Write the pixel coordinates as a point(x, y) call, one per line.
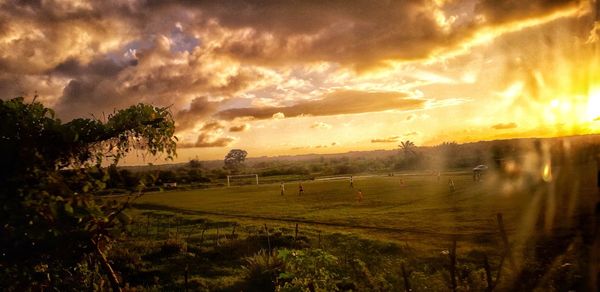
point(407, 147)
point(54, 233)
point(235, 159)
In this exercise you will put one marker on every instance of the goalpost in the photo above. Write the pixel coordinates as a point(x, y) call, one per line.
point(241, 175)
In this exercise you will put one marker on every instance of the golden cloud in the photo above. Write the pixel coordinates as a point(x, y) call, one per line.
point(391, 139)
point(336, 103)
point(239, 128)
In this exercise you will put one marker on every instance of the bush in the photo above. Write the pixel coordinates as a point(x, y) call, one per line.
point(261, 271)
point(173, 246)
point(309, 270)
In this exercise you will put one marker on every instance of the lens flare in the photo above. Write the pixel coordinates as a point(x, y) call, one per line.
point(547, 172)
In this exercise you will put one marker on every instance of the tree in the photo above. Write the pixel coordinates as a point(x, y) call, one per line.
point(54, 234)
point(407, 147)
point(195, 163)
point(235, 159)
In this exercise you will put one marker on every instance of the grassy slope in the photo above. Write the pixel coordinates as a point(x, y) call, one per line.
point(420, 217)
point(421, 207)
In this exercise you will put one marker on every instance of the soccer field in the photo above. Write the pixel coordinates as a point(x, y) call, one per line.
point(406, 208)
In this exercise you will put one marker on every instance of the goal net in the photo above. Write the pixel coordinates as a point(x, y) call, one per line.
point(242, 179)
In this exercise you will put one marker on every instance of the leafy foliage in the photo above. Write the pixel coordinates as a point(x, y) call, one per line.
point(262, 269)
point(234, 159)
point(54, 233)
point(308, 270)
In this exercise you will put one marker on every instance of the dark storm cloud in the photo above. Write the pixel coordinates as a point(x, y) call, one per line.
point(200, 109)
point(510, 10)
point(104, 67)
point(211, 135)
point(339, 102)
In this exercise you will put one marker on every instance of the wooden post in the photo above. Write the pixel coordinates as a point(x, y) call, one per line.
point(405, 277)
point(217, 239)
point(168, 226)
point(504, 236)
point(227, 181)
point(233, 233)
point(319, 238)
point(202, 235)
point(488, 274)
point(185, 278)
point(296, 233)
point(453, 266)
point(157, 227)
point(177, 228)
point(256, 179)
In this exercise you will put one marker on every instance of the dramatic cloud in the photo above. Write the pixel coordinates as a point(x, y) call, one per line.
point(503, 11)
point(391, 139)
point(336, 103)
point(504, 126)
point(205, 140)
point(239, 128)
point(268, 60)
point(200, 109)
point(211, 135)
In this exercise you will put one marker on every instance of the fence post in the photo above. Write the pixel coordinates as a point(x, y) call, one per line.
point(217, 238)
point(453, 266)
point(202, 235)
point(157, 227)
point(507, 250)
point(186, 278)
point(319, 238)
point(177, 228)
point(268, 239)
point(233, 232)
point(405, 277)
point(488, 274)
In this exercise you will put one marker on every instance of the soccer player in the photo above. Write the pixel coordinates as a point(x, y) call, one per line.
point(282, 189)
point(300, 190)
point(351, 182)
point(359, 196)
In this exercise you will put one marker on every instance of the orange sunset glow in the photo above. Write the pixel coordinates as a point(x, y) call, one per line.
point(280, 78)
point(300, 145)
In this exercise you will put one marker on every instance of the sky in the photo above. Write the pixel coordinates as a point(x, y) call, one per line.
point(294, 77)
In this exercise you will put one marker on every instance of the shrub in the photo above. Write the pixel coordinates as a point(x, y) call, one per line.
point(261, 271)
point(173, 246)
point(313, 270)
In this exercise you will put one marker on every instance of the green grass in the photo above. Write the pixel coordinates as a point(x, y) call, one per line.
point(410, 219)
point(421, 207)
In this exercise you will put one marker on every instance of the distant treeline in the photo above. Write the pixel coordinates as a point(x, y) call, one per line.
point(443, 157)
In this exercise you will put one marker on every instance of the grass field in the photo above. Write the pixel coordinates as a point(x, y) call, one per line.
point(414, 214)
point(401, 207)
